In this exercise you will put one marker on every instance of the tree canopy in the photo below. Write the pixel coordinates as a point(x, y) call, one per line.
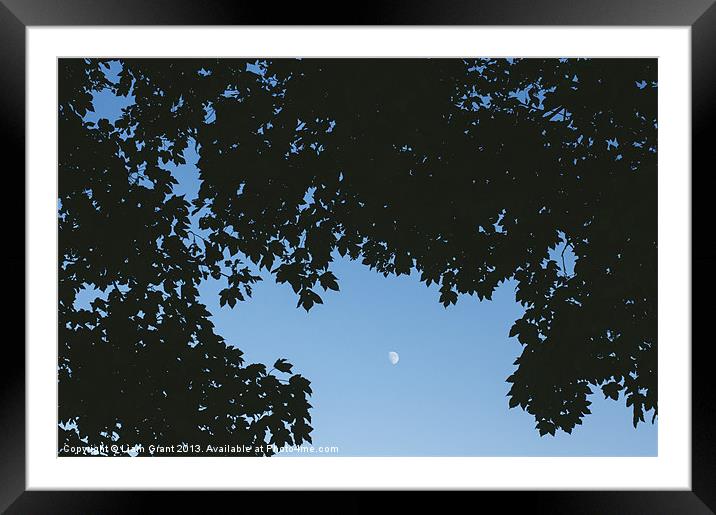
point(467, 173)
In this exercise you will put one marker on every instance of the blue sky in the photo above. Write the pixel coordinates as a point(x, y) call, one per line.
point(446, 396)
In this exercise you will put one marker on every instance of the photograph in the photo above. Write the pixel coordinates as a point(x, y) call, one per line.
point(357, 257)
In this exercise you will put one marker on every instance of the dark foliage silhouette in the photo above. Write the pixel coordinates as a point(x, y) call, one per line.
point(468, 173)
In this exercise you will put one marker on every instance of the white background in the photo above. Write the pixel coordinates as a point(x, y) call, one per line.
point(670, 470)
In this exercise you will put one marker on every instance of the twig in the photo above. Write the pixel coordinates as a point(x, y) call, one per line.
point(116, 287)
point(551, 112)
point(564, 267)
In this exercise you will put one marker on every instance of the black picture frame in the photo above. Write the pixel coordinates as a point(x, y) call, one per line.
point(700, 15)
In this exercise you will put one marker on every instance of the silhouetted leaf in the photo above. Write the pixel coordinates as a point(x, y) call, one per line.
point(283, 366)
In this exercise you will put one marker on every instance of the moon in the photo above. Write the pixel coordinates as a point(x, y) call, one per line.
point(393, 357)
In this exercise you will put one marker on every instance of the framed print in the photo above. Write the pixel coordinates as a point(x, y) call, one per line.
point(420, 249)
